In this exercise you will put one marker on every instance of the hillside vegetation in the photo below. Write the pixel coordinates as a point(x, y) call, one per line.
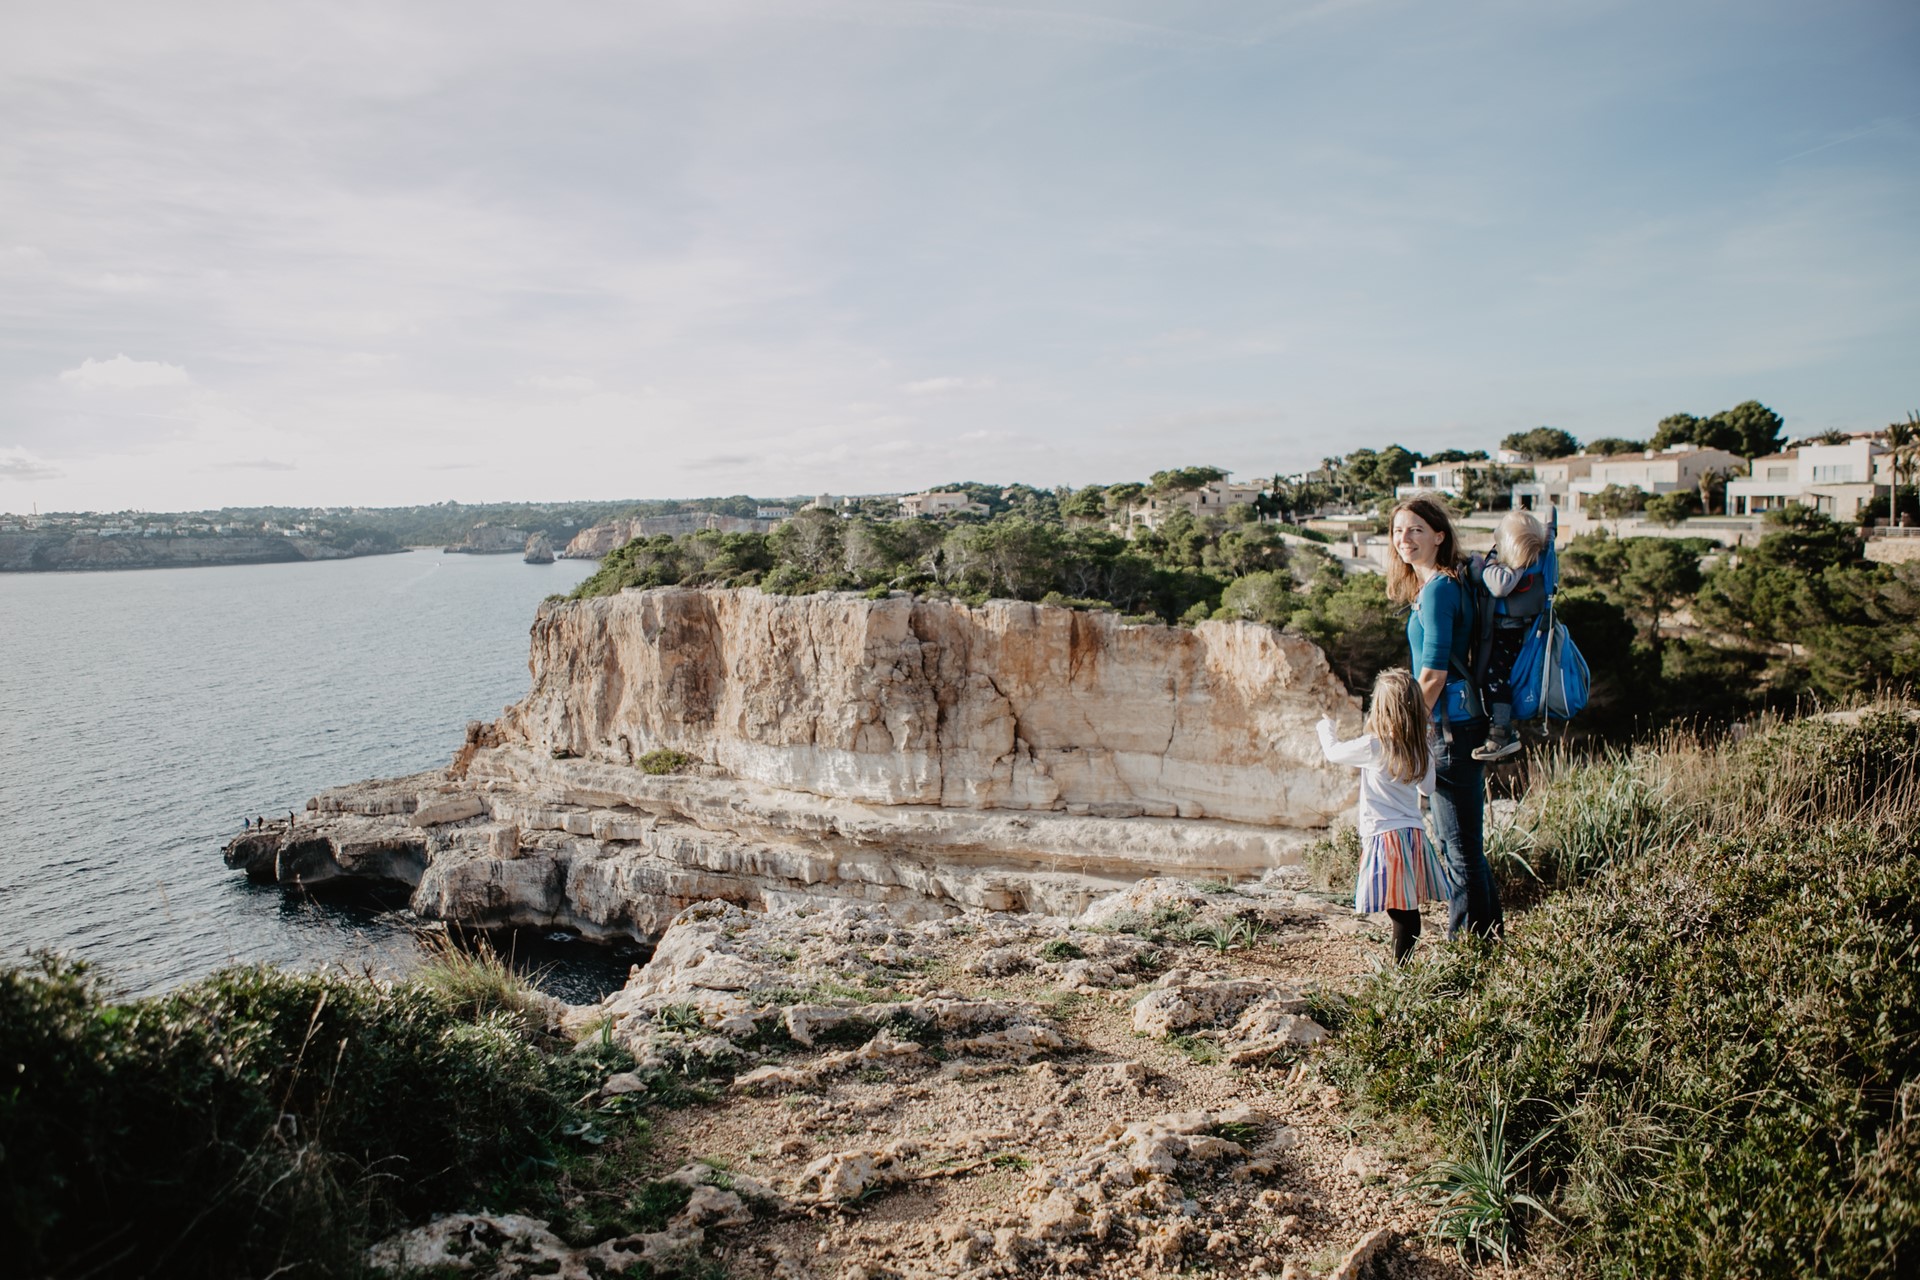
point(1672, 627)
point(1711, 1025)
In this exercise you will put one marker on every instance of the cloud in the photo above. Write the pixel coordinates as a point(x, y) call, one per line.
point(123, 374)
point(719, 462)
point(942, 385)
point(257, 464)
point(18, 464)
point(114, 282)
point(561, 382)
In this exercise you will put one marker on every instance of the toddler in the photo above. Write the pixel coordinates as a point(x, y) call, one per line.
point(1399, 868)
point(1519, 590)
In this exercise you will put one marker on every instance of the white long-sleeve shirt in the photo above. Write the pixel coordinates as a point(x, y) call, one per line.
point(1386, 803)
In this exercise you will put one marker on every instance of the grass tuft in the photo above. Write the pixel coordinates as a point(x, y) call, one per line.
point(1480, 1211)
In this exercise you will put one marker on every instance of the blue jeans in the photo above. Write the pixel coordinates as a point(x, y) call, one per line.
point(1459, 823)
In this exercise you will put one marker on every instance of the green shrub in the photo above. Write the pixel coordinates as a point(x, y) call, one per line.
point(1333, 860)
point(253, 1121)
point(664, 761)
point(1720, 1025)
point(1059, 949)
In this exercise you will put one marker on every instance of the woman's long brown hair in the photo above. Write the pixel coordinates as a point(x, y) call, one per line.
point(1403, 580)
point(1398, 718)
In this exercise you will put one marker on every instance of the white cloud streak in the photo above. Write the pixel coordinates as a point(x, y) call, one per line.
point(124, 374)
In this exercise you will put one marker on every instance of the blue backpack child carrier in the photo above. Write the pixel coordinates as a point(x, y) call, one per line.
point(1550, 679)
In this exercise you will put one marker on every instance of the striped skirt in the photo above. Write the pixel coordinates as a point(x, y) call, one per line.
point(1400, 870)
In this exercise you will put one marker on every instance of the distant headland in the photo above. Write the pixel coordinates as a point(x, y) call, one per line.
point(70, 541)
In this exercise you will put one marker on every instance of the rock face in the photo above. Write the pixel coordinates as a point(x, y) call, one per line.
point(539, 549)
point(916, 702)
point(921, 755)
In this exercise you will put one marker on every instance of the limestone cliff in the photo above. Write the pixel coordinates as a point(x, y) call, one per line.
point(919, 754)
point(919, 702)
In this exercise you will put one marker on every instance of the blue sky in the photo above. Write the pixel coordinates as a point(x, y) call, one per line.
point(373, 253)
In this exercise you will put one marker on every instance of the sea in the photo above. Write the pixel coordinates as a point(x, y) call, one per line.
point(145, 714)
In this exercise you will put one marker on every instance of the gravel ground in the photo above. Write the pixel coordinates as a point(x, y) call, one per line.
point(966, 1158)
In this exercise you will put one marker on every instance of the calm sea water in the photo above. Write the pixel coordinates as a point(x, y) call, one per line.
point(144, 714)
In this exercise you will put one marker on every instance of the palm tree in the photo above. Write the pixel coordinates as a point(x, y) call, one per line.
point(1713, 480)
point(1903, 442)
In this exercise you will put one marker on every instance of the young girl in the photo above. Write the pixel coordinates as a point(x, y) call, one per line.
point(1399, 868)
point(1514, 580)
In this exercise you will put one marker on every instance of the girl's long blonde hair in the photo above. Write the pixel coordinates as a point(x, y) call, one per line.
point(1403, 580)
point(1520, 539)
point(1398, 718)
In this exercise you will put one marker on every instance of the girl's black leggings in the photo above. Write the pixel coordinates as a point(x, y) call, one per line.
point(1406, 931)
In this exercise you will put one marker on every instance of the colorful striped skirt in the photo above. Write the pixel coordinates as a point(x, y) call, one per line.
point(1400, 870)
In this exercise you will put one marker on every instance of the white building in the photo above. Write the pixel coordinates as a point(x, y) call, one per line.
point(1670, 470)
point(940, 502)
point(1439, 479)
point(1211, 498)
point(1552, 480)
point(1837, 479)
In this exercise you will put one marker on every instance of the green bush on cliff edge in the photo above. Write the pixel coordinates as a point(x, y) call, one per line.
point(257, 1122)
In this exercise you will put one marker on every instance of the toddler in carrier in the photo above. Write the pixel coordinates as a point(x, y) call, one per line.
point(1399, 867)
point(1513, 578)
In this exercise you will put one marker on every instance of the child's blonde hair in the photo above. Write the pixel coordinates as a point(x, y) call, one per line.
point(1398, 717)
point(1520, 540)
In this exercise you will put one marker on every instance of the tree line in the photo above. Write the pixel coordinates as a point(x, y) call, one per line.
point(1671, 626)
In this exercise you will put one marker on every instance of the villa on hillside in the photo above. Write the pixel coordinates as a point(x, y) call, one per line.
point(1446, 478)
point(1567, 483)
point(940, 502)
point(1837, 479)
point(1211, 498)
point(1671, 470)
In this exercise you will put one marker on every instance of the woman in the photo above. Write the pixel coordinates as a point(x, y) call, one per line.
point(1424, 573)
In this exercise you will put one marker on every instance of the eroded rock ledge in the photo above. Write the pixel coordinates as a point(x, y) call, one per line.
point(920, 755)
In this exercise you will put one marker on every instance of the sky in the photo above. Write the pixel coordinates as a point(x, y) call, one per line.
point(364, 253)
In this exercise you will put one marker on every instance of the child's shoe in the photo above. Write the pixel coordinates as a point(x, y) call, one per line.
point(1501, 742)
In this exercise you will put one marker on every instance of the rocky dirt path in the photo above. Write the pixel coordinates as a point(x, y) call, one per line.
point(1127, 1094)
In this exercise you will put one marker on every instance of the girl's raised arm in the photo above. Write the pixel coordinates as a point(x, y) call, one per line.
point(1357, 752)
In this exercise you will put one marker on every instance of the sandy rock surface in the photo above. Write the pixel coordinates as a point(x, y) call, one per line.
point(886, 1104)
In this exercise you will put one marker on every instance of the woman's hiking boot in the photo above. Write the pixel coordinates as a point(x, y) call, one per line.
point(1501, 742)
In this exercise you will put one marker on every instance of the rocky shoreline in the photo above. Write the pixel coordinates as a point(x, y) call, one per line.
point(680, 746)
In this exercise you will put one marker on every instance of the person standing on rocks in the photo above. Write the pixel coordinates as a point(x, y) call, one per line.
point(1423, 573)
point(1399, 868)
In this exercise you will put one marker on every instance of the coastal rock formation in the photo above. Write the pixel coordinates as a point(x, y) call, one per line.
point(539, 549)
point(916, 702)
point(682, 745)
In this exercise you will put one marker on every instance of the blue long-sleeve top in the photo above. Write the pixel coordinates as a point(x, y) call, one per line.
point(1437, 629)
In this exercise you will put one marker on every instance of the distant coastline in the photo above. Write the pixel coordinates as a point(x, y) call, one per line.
point(60, 551)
